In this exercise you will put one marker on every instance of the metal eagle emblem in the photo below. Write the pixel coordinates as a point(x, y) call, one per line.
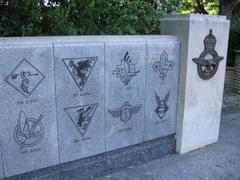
point(162, 106)
point(208, 61)
point(125, 112)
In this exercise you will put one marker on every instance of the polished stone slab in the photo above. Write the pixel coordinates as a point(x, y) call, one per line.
point(125, 84)
point(28, 123)
point(79, 72)
point(162, 83)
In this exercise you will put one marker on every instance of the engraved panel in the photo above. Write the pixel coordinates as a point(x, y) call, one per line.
point(80, 99)
point(162, 78)
point(27, 107)
point(125, 84)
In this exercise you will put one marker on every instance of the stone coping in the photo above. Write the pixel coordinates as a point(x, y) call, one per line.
point(95, 38)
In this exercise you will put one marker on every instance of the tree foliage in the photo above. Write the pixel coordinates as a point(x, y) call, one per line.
point(234, 40)
point(217, 7)
point(70, 17)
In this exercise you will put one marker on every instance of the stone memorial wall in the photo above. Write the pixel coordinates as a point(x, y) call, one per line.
point(65, 99)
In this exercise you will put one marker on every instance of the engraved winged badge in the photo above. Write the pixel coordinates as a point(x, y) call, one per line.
point(162, 107)
point(125, 112)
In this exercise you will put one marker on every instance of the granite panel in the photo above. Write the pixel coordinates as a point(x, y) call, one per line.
point(125, 89)
point(162, 83)
point(28, 122)
point(80, 99)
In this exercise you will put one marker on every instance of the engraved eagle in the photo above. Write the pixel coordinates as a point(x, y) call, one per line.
point(80, 70)
point(83, 115)
point(161, 105)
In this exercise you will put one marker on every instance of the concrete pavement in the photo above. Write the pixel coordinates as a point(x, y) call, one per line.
point(219, 161)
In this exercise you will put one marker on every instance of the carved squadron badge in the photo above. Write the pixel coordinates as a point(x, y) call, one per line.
point(208, 61)
point(163, 66)
point(28, 131)
point(81, 116)
point(125, 112)
point(162, 106)
point(80, 69)
point(25, 78)
point(126, 70)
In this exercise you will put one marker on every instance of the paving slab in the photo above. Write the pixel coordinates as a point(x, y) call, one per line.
point(217, 161)
point(28, 122)
point(162, 83)
point(125, 84)
point(80, 99)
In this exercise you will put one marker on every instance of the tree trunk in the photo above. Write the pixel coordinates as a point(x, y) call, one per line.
point(199, 8)
point(226, 7)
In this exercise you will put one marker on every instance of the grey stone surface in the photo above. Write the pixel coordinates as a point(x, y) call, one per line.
point(102, 164)
point(80, 99)
point(200, 100)
point(77, 39)
point(162, 80)
point(125, 84)
point(1, 163)
point(217, 161)
point(231, 100)
point(28, 123)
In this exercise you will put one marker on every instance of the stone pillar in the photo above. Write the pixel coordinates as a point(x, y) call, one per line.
point(204, 41)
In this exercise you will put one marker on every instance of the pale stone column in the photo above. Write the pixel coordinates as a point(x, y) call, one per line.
point(200, 100)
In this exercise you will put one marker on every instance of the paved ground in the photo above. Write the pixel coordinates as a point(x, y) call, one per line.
point(231, 100)
point(219, 161)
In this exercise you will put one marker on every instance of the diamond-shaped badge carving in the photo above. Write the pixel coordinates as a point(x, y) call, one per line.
point(25, 78)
